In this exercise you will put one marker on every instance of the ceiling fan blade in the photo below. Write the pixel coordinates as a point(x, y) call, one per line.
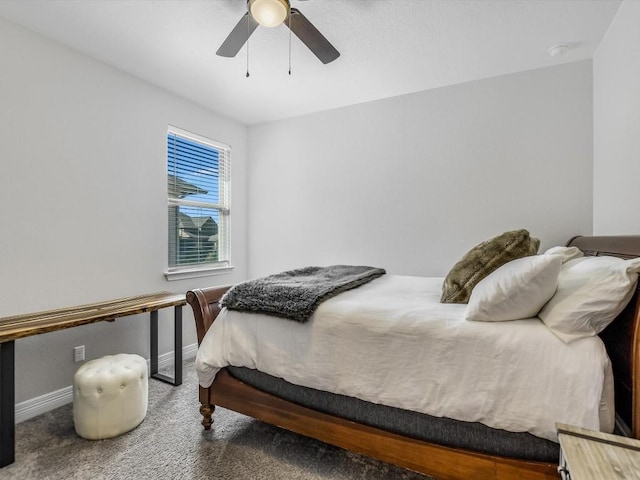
point(311, 37)
point(238, 36)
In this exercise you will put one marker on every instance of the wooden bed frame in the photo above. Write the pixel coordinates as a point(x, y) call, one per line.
point(621, 339)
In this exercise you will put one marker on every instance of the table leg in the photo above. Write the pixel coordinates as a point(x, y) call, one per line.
point(7, 403)
point(154, 342)
point(177, 345)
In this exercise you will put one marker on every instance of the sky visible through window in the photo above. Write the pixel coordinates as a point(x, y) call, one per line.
point(194, 167)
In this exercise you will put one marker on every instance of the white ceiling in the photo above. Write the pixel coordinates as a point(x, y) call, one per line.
point(388, 47)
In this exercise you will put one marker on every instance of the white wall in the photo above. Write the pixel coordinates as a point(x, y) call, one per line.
point(616, 131)
point(411, 183)
point(83, 199)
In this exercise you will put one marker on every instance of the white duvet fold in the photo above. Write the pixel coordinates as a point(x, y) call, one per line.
point(392, 342)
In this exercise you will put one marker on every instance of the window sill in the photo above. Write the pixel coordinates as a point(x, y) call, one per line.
point(184, 273)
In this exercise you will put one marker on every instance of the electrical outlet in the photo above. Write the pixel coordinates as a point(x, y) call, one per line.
point(78, 353)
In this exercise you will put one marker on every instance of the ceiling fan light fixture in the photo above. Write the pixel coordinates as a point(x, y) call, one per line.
point(269, 13)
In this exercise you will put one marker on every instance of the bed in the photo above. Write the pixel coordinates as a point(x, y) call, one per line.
point(299, 409)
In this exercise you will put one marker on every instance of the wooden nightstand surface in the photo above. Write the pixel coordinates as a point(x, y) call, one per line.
point(593, 455)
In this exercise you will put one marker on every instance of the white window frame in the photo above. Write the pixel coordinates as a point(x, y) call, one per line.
point(201, 269)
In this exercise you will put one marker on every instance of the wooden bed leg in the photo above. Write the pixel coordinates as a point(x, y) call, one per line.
point(207, 413)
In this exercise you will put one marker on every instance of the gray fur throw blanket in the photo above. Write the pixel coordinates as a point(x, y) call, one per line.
point(295, 294)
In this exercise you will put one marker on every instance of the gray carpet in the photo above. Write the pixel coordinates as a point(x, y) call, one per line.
point(171, 444)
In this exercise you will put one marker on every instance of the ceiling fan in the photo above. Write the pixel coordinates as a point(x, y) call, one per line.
point(271, 13)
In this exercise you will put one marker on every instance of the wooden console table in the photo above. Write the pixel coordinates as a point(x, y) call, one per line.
point(19, 326)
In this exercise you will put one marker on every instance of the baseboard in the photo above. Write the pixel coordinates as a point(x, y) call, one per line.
point(44, 403)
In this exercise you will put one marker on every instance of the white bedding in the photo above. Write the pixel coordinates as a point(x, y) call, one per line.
point(392, 342)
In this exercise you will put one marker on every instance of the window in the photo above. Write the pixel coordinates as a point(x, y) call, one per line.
point(198, 201)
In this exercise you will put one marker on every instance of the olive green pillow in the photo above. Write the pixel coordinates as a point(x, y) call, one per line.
point(483, 259)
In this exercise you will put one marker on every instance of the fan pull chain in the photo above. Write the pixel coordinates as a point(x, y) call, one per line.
point(289, 40)
point(248, 36)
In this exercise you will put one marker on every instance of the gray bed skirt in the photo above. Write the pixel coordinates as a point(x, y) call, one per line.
point(442, 431)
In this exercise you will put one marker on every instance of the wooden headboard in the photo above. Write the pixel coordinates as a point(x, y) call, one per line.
point(621, 337)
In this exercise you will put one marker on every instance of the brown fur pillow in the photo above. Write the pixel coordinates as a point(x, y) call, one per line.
point(483, 259)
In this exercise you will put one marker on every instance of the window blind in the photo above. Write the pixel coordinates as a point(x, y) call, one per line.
point(198, 181)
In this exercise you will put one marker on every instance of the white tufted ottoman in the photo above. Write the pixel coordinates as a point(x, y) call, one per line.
point(110, 396)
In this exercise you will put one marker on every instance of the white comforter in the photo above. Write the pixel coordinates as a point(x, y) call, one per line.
point(392, 342)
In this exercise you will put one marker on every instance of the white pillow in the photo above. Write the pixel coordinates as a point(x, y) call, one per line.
point(518, 289)
point(592, 291)
point(566, 253)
